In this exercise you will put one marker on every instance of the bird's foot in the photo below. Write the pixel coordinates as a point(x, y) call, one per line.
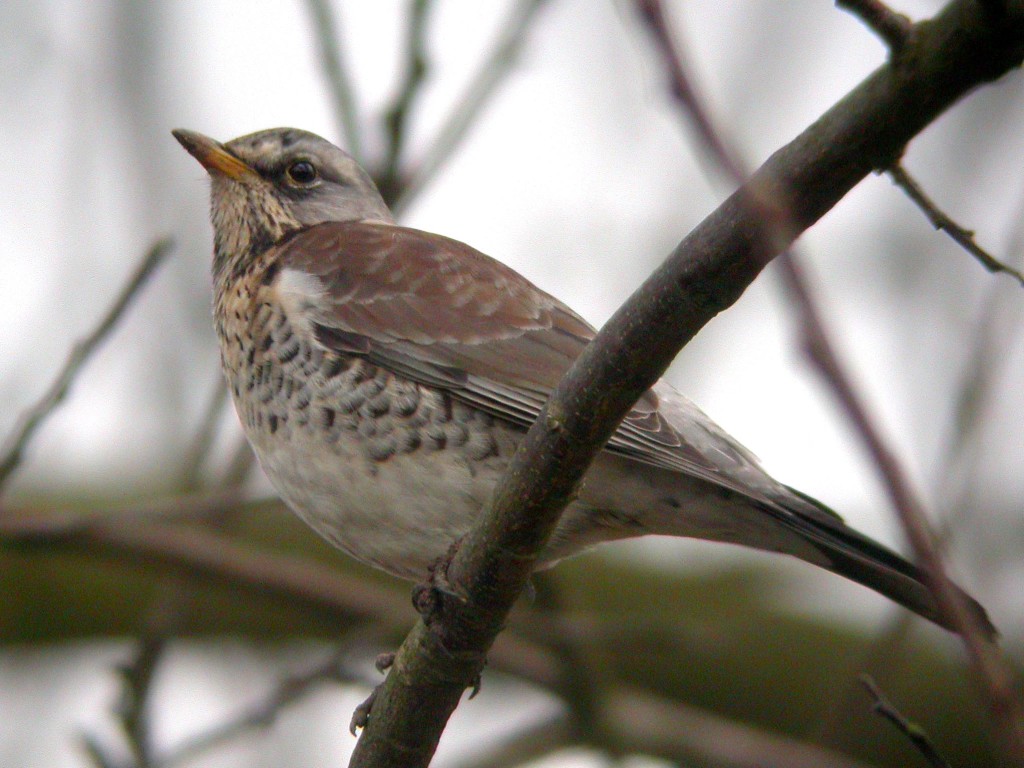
point(474, 686)
point(427, 597)
point(428, 600)
point(361, 715)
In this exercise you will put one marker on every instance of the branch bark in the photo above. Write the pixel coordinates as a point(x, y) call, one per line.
point(947, 57)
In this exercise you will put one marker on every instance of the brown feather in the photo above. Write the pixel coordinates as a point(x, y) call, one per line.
point(442, 313)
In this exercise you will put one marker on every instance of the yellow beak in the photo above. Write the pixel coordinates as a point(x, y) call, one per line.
point(212, 155)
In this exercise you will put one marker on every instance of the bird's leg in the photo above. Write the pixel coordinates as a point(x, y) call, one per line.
point(426, 597)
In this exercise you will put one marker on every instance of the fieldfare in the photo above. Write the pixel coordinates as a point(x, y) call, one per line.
point(385, 375)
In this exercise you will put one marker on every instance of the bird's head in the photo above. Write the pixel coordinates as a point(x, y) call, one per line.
point(267, 184)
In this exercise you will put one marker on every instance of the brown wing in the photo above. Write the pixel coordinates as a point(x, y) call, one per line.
point(441, 313)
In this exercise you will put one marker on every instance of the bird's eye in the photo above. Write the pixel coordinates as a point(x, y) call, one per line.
point(302, 172)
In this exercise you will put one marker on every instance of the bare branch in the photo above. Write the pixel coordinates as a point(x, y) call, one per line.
point(647, 724)
point(963, 237)
point(886, 709)
point(31, 420)
point(989, 664)
point(199, 449)
point(261, 715)
point(202, 553)
point(339, 85)
point(706, 273)
point(492, 71)
point(389, 178)
point(894, 28)
point(132, 709)
point(96, 752)
point(683, 90)
point(198, 551)
point(30, 526)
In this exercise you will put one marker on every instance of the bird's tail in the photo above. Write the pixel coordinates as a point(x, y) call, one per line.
point(857, 557)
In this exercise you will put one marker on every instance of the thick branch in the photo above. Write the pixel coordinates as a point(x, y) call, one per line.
point(992, 670)
point(705, 274)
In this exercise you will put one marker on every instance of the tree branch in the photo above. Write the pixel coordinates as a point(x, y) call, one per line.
point(260, 715)
point(991, 668)
point(707, 272)
point(894, 28)
point(389, 178)
point(885, 708)
point(491, 72)
point(31, 420)
point(962, 237)
point(339, 85)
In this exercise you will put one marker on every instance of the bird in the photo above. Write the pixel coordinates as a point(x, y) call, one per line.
point(384, 376)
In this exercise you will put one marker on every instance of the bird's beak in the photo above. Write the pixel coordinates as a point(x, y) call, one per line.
point(212, 155)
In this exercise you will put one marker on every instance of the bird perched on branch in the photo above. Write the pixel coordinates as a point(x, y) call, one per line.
point(385, 376)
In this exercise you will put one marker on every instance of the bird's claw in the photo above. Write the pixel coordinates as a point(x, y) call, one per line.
point(361, 715)
point(426, 597)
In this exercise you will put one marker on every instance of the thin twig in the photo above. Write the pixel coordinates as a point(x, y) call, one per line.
point(997, 329)
point(894, 28)
point(886, 709)
point(682, 88)
point(170, 608)
point(346, 112)
point(96, 753)
point(955, 482)
point(493, 69)
point(262, 714)
point(989, 664)
point(31, 419)
point(389, 180)
point(199, 449)
point(963, 237)
point(133, 709)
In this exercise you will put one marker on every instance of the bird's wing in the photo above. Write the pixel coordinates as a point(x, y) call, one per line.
point(441, 313)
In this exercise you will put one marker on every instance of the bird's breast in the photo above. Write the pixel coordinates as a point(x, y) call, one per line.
point(386, 468)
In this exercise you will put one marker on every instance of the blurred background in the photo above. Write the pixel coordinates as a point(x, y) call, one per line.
point(197, 624)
